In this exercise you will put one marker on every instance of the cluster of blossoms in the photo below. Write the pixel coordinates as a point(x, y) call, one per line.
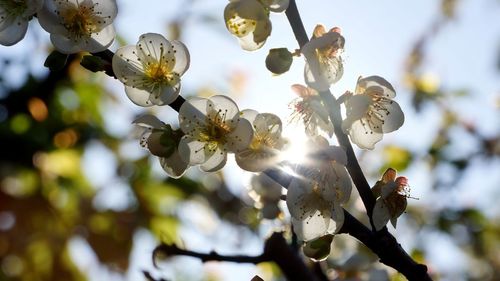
point(73, 25)
point(211, 128)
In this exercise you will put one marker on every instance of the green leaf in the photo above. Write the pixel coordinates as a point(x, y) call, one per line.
point(56, 61)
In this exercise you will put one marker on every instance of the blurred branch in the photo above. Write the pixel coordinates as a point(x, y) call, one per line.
point(276, 249)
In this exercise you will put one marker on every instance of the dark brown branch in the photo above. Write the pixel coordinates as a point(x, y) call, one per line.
point(276, 249)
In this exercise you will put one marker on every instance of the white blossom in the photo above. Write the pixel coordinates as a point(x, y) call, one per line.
point(249, 20)
point(324, 65)
point(315, 196)
point(151, 69)
point(79, 25)
point(310, 109)
point(162, 141)
point(371, 112)
point(14, 18)
point(264, 149)
point(213, 127)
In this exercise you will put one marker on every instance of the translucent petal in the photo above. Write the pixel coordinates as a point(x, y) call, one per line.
point(13, 33)
point(165, 95)
point(215, 162)
point(313, 77)
point(248, 43)
point(394, 118)
point(249, 114)
point(370, 81)
point(138, 96)
point(297, 198)
point(337, 154)
point(363, 136)
point(343, 185)
point(101, 40)
point(149, 121)
point(65, 45)
point(33, 6)
point(225, 104)
point(314, 226)
point(127, 67)
point(266, 187)
point(6, 20)
point(153, 48)
point(193, 115)
point(380, 214)
point(174, 166)
point(107, 9)
point(268, 123)
point(98, 42)
point(356, 108)
point(49, 20)
point(182, 58)
point(257, 160)
point(332, 69)
point(192, 151)
point(240, 137)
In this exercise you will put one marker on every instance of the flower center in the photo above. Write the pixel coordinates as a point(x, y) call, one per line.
point(13, 8)
point(240, 26)
point(216, 129)
point(80, 20)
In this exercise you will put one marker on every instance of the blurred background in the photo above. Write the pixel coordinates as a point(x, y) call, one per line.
point(81, 200)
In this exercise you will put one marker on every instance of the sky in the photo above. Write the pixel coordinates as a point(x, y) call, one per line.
point(379, 35)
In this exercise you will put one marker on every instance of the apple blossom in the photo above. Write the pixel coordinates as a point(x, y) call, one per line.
point(391, 193)
point(79, 25)
point(324, 64)
point(371, 112)
point(213, 127)
point(162, 141)
point(310, 109)
point(249, 20)
point(151, 70)
point(315, 196)
point(263, 151)
point(14, 18)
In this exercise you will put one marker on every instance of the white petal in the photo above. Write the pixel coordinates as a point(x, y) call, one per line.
point(65, 45)
point(138, 96)
point(149, 121)
point(257, 161)
point(380, 214)
point(343, 185)
point(249, 114)
point(240, 137)
point(388, 90)
point(215, 162)
point(337, 154)
point(182, 58)
point(14, 32)
point(107, 9)
point(356, 108)
point(101, 40)
point(174, 166)
point(363, 136)
point(127, 67)
point(192, 151)
point(248, 43)
point(165, 95)
point(49, 20)
point(192, 115)
point(153, 48)
point(333, 69)
point(266, 187)
point(225, 105)
point(313, 76)
point(296, 198)
point(313, 226)
point(394, 117)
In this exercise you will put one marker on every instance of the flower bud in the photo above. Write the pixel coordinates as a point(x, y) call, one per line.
point(279, 60)
point(319, 248)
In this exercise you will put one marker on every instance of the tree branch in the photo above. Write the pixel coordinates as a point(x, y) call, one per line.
point(276, 249)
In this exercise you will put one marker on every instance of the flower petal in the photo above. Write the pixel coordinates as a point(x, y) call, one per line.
point(363, 136)
point(138, 96)
point(394, 117)
point(174, 166)
point(153, 48)
point(148, 121)
point(14, 33)
point(182, 58)
point(366, 82)
point(380, 214)
point(192, 115)
point(215, 162)
point(192, 151)
point(127, 66)
point(240, 137)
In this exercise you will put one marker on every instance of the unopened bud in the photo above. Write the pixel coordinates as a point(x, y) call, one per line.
point(279, 60)
point(319, 248)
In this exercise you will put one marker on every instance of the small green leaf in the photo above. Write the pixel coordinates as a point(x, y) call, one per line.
point(56, 61)
point(279, 60)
